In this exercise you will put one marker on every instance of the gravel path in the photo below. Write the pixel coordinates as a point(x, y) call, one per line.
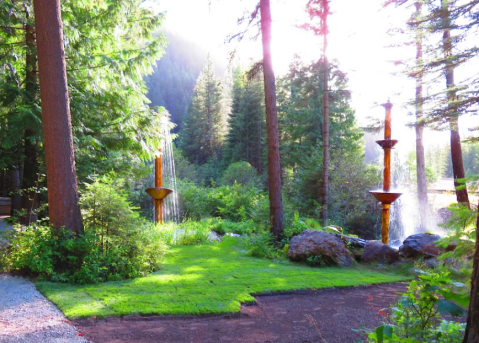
point(27, 316)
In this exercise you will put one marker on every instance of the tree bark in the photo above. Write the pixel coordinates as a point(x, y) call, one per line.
point(62, 186)
point(453, 115)
point(325, 6)
point(472, 328)
point(420, 158)
point(274, 166)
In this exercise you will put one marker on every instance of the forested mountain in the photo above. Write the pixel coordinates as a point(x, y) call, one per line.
point(174, 78)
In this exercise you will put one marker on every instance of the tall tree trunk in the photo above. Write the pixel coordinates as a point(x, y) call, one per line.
point(325, 6)
point(274, 166)
point(453, 115)
point(420, 159)
point(62, 186)
point(472, 327)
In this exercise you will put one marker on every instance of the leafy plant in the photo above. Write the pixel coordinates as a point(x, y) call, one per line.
point(240, 173)
point(461, 239)
point(262, 245)
point(416, 316)
point(62, 256)
point(115, 245)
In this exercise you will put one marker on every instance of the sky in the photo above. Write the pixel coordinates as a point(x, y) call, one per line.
point(358, 40)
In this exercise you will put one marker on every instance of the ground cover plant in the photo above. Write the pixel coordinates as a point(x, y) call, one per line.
point(199, 279)
point(416, 317)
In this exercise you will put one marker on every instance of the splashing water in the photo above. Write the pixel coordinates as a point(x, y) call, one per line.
point(405, 213)
point(170, 205)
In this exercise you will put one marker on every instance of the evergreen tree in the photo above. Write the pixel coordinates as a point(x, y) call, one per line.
point(245, 138)
point(301, 110)
point(105, 68)
point(272, 136)
point(202, 134)
point(64, 209)
point(318, 11)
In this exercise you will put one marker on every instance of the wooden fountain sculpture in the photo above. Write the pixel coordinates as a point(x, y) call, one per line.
point(386, 197)
point(159, 193)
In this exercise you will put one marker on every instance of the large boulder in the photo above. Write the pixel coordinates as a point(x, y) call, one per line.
point(329, 248)
point(421, 244)
point(376, 251)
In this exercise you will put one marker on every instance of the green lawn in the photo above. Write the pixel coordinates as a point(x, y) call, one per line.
point(214, 278)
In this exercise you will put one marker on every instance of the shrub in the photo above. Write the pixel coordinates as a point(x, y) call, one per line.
point(115, 244)
point(244, 228)
point(241, 173)
point(63, 256)
point(416, 317)
point(462, 233)
point(262, 245)
point(235, 203)
point(105, 209)
point(297, 225)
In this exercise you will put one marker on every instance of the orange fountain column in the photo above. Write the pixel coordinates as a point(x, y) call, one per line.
point(159, 183)
point(387, 148)
point(387, 173)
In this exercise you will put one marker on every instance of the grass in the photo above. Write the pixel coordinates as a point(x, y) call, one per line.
point(212, 278)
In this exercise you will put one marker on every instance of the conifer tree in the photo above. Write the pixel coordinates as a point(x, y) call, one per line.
point(64, 209)
point(203, 131)
point(244, 140)
point(274, 165)
point(105, 69)
point(318, 11)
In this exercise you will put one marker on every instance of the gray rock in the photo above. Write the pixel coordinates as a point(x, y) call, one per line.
point(376, 251)
point(421, 244)
point(330, 248)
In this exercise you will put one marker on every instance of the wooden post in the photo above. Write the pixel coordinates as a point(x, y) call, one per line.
point(385, 224)
point(159, 170)
point(158, 184)
point(387, 170)
point(387, 173)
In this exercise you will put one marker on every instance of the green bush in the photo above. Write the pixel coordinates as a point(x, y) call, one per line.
point(188, 232)
point(462, 233)
point(416, 316)
point(262, 245)
point(236, 203)
point(115, 244)
point(297, 225)
point(241, 173)
point(244, 228)
point(63, 256)
point(106, 210)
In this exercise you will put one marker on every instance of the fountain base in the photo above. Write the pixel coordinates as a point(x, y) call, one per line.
point(385, 197)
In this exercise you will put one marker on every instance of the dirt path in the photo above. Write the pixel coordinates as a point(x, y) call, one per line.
point(310, 316)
